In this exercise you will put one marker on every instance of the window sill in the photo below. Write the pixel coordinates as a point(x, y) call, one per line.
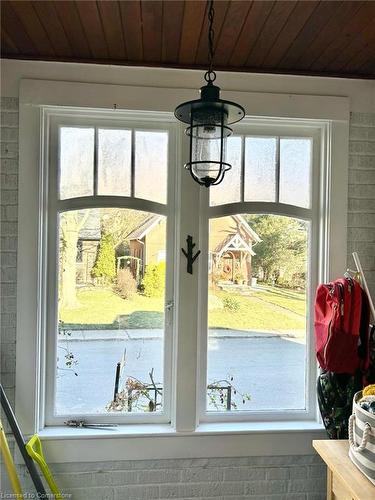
point(161, 441)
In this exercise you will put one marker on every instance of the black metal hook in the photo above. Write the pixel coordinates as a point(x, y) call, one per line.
point(189, 254)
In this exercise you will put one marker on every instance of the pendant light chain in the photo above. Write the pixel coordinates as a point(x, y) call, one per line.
point(210, 75)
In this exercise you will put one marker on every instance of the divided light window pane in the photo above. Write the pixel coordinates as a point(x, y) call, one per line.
point(151, 164)
point(260, 168)
point(114, 162)
point(229, 191)
point(295, 171)
point(76, 162)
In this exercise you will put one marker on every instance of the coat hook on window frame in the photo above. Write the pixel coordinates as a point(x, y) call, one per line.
point(189, 254)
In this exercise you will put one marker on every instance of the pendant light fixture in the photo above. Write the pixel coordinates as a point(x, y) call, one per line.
point(209, 118)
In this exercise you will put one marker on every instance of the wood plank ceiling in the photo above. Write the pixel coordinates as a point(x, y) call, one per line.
point(334, 38)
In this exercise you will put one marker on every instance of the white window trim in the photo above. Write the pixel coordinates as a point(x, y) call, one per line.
point(179, 439)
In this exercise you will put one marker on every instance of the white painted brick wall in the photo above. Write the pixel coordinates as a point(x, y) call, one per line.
point(291, 477)
point(8, 251)
point(8, 244)
point(361, 193)
point(258, 478)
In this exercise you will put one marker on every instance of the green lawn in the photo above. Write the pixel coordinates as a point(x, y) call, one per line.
point(268, 309)
point(260, 311)
point(99, 306)
point(290, 299)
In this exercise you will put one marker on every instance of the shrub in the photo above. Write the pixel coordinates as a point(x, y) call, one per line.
point(153, 282)
point(126, 286)
point(105, 263)
point(297, 281)
point(239, 277)
point(231, 303)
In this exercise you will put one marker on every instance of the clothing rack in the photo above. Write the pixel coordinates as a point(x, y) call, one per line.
point(358, 265)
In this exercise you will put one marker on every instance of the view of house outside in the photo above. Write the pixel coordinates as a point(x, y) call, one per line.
point(112, 308)
point(257, 313)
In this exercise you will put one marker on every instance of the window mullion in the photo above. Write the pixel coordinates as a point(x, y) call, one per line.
point(185, 415)
point(132, 165)
point(203, 304)
point(243, 168)
point(96, 146)
point(277, 170)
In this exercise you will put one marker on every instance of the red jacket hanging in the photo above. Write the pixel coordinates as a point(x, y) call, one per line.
point(338, 314)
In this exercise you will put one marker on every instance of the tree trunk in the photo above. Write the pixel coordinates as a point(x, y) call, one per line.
point(68, 293)
point(70, 225)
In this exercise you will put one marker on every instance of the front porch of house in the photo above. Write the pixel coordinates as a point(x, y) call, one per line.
point(230, 264)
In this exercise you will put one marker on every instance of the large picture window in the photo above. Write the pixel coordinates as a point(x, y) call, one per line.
point(124, 333)
point(111, 241)
point(112, 216)
point(111, 326)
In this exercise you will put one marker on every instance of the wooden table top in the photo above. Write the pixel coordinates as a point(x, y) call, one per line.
point(335, 455)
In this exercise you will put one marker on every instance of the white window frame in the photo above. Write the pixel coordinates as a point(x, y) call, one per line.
point(53, 119)
point(177, 439)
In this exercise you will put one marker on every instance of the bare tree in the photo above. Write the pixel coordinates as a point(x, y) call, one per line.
point(120, 222)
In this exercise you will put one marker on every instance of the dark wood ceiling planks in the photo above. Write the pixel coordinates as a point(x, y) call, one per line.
point(299, 37)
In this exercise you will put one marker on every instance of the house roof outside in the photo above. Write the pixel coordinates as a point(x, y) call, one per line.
point(145, 227)
point(91, 231)
point(254, 236)
point(233, 242)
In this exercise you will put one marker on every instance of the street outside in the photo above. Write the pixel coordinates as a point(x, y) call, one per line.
point(270, 368)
